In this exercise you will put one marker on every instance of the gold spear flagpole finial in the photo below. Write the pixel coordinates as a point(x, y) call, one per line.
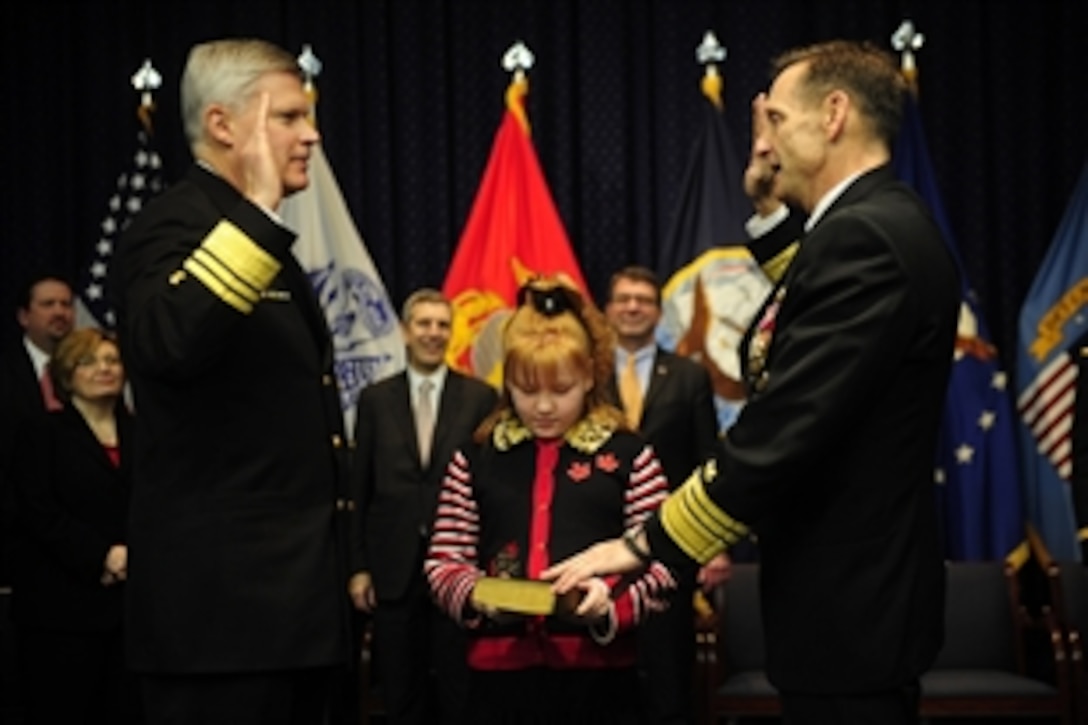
point(517, 60)
point(310, 65)
point(907, 40)
point(146, 80)
point(710, 53)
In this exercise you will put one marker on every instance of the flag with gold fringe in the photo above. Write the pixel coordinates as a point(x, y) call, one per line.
point(513, 233)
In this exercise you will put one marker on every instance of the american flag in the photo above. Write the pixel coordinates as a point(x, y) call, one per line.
point(1046, 405)
point(140, 180)
point(1053, 319)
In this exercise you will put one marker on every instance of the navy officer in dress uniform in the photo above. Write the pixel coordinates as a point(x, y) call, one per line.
point(238, 606)
point(847, 365)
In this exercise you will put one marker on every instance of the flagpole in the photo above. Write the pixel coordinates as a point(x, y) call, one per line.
point(146, 80)
point(359, 315)
point(139, 180)
point(907, 39)
point(710, 53)
point(517, 60)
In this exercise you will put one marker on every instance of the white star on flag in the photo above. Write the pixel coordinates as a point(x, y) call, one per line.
point(134, 186)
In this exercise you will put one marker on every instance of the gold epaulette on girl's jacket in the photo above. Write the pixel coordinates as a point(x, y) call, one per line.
point(697, 525)
point(232, 266)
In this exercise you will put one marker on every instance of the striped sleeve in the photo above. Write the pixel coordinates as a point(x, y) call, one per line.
point(231, 266)
point(450, 565)
point(647, 488)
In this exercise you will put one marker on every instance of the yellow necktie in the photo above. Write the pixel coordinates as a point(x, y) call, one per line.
point(631, 393)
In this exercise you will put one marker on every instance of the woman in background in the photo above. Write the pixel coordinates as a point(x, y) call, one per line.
point(72, 504)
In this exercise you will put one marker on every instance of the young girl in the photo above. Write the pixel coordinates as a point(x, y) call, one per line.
point(552, 471)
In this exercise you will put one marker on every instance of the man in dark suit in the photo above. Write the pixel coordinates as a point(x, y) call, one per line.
point(45, 314)
point(671, 404)
point(407, 428)
point(831, 459)
point(237, 591)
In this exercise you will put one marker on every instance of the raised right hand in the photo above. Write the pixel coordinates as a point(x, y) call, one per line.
point(263, 184)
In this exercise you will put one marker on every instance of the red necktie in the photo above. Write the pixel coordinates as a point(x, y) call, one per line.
point(49, 396)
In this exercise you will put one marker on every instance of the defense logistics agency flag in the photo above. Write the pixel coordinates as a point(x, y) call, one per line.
point(978, 490)
point(715, 286)
point(139, 181)
point(363, 324)
point(513, 232)
point(1054, 317)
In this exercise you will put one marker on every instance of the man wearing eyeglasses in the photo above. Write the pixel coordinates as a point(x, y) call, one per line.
point(668, 399)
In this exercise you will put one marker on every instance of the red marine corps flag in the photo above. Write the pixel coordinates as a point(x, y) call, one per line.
point(513, 232)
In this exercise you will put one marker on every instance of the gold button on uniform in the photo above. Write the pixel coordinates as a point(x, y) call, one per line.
point(337, 441)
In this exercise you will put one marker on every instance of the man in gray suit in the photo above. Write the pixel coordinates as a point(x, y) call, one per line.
point(407, 428)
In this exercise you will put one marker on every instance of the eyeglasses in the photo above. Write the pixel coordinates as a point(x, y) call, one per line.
point(641, 300)
point(88, 361)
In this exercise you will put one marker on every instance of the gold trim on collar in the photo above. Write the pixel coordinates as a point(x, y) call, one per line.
point(588, 435)
point(775, 267)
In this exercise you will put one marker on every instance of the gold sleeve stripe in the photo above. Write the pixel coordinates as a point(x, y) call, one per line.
point(217, 287)
point(775, 267)
point(250, 264)
point(1082, 535)
point(224, 275)
point(695, 522)
point(232, 266)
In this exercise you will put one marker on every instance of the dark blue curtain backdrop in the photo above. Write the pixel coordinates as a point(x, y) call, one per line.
point(412, 94)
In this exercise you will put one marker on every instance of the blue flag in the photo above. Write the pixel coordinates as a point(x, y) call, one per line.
point(714, 286)
point(978, 486)
point(712, 207)
point(1052, 321)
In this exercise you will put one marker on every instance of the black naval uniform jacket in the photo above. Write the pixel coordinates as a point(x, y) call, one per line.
point(239, 502)
point(831, 460)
